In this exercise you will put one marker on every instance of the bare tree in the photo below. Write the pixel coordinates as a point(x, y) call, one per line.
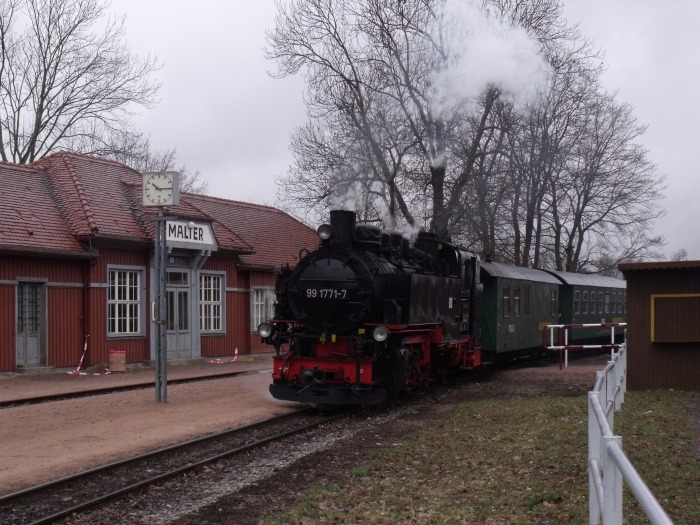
point(679, 255)
point(402, 115)
point(66, 76)
point(610, 196)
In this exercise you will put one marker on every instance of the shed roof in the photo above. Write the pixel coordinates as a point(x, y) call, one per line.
point(659, 265)
point(589, 279)
point(495, 269)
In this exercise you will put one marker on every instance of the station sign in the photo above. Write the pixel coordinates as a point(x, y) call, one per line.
point(190, 235)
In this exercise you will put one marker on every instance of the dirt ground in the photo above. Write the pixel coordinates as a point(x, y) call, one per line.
point(46, 441)
point(50, 440)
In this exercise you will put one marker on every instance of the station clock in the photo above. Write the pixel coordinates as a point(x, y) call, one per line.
point(161, 188)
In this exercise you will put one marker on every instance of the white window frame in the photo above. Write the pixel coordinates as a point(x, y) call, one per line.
point(212, 303)
point(125, 302)
point(262, 306)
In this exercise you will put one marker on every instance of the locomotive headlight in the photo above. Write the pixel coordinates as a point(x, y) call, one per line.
point(324, 232)
point(265, 330)
point(381, 333)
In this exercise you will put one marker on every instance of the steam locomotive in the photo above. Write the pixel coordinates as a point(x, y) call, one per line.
point(369, 314)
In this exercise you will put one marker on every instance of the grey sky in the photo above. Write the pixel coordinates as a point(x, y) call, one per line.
point(230, 120)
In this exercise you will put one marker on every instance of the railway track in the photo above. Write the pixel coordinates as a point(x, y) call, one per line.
point(34, 400)
point(55, 500)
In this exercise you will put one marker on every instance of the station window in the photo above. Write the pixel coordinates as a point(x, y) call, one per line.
point(516, 301)
point(124, 302)
point(263, 306)
point(577, 302)
point(177, 278)
point(600, 302)
point(585, 303)
point(211, 303)
point(506, 301)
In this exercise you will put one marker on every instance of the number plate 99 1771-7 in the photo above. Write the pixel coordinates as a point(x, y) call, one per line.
point(326, 293)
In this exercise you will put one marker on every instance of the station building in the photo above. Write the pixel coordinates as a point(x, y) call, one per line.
point(77, 264)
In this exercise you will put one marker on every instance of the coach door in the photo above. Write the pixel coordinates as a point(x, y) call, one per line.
point(29, 323)
point(178, 299)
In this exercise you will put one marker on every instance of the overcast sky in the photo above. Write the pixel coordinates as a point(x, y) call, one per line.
point(228, 119)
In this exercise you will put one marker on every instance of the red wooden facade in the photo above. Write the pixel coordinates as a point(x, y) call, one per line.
point(76, 260)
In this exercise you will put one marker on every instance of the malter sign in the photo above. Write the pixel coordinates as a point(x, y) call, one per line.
point(191, 235)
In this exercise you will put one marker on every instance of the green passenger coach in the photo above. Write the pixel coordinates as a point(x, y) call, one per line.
point(589, 298)
point(518, 303)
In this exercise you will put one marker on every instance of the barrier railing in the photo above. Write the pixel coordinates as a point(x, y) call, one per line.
point(563, 339)
point(608, 465)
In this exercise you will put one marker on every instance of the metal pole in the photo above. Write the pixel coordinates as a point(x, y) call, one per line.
point(162, 314)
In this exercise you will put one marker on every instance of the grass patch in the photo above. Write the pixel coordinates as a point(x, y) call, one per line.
point(513, 461)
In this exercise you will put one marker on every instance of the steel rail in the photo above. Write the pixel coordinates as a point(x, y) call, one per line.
point(8, 500)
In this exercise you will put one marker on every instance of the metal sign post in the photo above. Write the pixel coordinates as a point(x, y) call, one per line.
point(160, 317)
point(160, 189)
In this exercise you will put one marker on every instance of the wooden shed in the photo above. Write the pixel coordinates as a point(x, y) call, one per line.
point(663, 315)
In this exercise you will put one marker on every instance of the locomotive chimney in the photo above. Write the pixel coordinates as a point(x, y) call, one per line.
point(343, 224)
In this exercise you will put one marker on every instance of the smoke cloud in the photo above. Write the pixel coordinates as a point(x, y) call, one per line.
point(482, 50)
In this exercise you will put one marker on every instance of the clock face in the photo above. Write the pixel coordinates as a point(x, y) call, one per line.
point(159, 189)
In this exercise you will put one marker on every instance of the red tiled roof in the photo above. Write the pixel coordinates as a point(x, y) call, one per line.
point(30, 220)
point(53, 204)
point(276, 237)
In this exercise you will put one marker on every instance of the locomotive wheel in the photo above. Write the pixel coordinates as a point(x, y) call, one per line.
point(419, 376)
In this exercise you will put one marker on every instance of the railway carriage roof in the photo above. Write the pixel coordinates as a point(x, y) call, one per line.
point(495, 269)
point(588, 279)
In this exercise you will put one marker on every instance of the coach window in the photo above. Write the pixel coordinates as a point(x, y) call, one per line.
point(600, 302)
point(211, 305)
point(263, 306)
point(526, 300)
point(124, 302)
point(607, 302)
point(591, 302)
point(506, 301)
point(516, 301)
point(614, 302)
point(585, 302)
point(553, 301)
point(577, 302)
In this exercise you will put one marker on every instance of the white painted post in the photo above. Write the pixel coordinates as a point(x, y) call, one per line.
point(623, 366)
point(594, 461)
point(610, 387)
point(612, 485)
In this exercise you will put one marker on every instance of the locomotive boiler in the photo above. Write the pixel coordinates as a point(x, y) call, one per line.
point(369, 314)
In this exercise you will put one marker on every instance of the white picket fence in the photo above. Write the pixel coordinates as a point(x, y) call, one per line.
point(607, 464)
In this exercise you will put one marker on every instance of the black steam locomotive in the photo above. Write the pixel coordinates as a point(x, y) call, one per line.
point(368, 314)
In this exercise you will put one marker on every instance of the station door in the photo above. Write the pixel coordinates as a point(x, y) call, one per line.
point(29, 323)
point(178, 333)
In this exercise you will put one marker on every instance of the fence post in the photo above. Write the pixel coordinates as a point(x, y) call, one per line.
point(594, 462)
point(610, 387)
point(612, 485)
point(623, 365)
